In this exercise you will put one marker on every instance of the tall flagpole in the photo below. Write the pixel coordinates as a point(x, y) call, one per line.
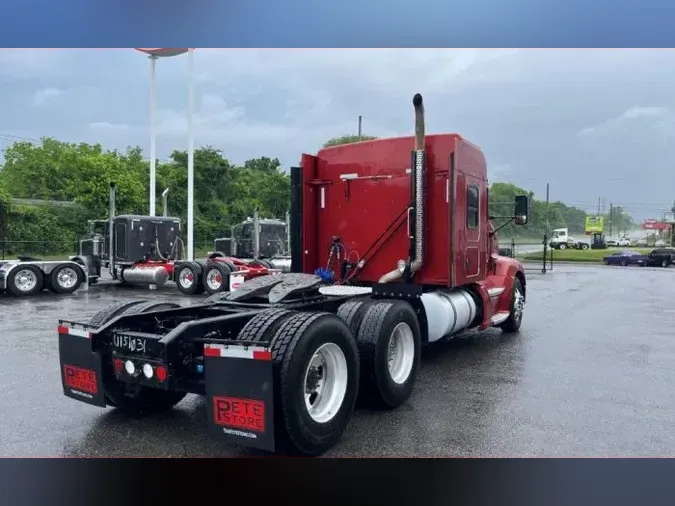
point(153, 133)
point(191, 157)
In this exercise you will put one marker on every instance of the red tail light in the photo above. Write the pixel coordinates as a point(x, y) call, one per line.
point(161, 373)
point(118, 365)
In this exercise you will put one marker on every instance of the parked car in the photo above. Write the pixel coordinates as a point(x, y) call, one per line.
point(623, 242)
point(660, 243)
point(611, 242)
point(661, 257)
point(642, 242)
point(626, 257)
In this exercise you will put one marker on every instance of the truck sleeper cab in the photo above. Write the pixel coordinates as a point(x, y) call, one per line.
point(392, 248)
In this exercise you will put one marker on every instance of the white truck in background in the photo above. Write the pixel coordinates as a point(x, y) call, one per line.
point(561, 239)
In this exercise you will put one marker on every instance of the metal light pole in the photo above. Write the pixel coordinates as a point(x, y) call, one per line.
point(155, 53)
point(191, 158)
point(153, 133)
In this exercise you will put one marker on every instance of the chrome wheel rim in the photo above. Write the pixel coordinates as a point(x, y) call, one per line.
point(25, 280)
point(400, 353)
point(66, 278)
point(214, 279)
point(518, 305)
point(186, 278)
point(325, 384)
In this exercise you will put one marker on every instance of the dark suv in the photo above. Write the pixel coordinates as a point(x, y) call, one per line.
point(661, 256)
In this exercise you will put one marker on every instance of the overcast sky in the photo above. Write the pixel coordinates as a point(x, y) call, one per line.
point(593, 123)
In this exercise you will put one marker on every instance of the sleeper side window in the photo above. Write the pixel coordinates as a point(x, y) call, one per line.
point(472, 207)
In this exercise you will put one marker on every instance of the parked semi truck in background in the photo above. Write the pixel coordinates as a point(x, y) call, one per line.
point(142, 250)
point(283, 358)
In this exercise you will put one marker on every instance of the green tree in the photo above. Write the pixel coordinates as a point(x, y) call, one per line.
point(347, 139)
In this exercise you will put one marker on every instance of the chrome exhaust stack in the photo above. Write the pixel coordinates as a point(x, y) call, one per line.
point(111, 220)
point(256, 234)
point(165, 210)
point(416, 210)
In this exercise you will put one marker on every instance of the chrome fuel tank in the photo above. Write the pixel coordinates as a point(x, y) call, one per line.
point(146, 275)
point(448, 312)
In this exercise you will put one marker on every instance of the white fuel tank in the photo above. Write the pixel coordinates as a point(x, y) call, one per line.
point(146, 275)
point(448, 312)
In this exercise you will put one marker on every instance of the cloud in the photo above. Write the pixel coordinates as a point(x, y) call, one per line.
point(107, 126)
point(652, 117)
point(41, 97)
point(581, 120)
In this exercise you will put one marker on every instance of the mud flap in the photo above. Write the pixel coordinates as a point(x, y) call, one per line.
point(239, 394)
point(81, 368)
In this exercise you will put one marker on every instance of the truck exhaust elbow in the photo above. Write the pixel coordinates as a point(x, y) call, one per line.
point(394, 275)
point(390, 277)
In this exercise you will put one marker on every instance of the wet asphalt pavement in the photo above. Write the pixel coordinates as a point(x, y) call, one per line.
point(592, 373)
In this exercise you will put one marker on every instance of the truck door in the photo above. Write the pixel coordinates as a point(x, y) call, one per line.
point(473, 234)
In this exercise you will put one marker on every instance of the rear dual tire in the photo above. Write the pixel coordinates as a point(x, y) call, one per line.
point(188, 278)
point(216, 277)
point(316, 376)
point(65, 279)
point(389, 340)
point(25, 280)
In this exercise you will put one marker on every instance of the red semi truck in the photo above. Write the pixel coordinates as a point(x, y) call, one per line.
point(389, 253)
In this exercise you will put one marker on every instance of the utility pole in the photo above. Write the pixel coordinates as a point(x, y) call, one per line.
point(543, 267)
point(599, 200)
point(360, 123)
point(611, 207)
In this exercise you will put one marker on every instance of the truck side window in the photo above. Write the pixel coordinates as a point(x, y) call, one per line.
point(472, 207)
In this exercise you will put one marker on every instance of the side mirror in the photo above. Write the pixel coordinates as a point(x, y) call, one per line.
point(522, 209)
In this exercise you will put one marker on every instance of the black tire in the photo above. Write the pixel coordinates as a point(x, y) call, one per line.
point(562, 246)
point(294, 345)
point(216, 271)
point(584, 246)
point(28, 272)
point(378, 388)
point(515, 319)
point(624, 263)
point(665, 263)
point(267, 264)
point(56, 283)
point(263, 326)
point(151, 305)
point(352, 312)
point(230, 265)
point(112, 311)
point(141, 400)
point(216, 297)
point(190, 268)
